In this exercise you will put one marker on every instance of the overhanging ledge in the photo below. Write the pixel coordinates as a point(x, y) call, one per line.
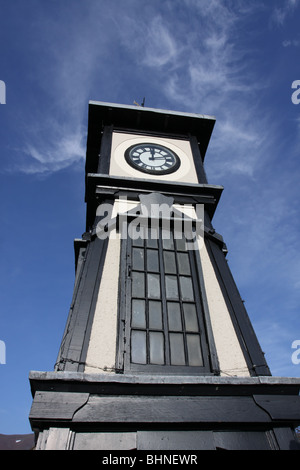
point(101, 187)
point(105, 383)
point(112, 401)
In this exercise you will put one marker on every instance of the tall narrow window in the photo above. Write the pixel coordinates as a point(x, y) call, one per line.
point(164, 321)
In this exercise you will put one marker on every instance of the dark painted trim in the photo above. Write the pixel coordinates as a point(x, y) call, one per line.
point(126, 409)
point(286, 438)
point(144, 132)
point(211, 193)
point(79, 246)
point(276, 408)
point(245, 333)
point(100, 163)
point(198, 161)
point(76, 336)
point(106, 400)
point(101, 186)
point(105, 150)
point(79, 407)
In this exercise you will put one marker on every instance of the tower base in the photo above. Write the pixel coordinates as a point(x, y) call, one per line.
point(82, 411)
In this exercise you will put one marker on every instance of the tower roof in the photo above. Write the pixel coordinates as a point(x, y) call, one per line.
point(140, 118)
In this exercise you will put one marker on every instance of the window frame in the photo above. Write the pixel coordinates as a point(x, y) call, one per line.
point(123, 360)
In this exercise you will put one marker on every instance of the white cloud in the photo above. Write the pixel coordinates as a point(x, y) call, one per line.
point(54, 133)
point(68, 149)
point(211, 77)
point(280, 14)
point(160, 45)
point(201, 68)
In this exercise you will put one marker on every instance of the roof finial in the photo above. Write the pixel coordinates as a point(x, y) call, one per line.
point(137, 104)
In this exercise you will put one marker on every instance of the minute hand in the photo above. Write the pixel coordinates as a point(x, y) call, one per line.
point(154, 157)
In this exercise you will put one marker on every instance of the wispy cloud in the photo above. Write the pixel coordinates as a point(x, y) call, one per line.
point(162, 48)
point(280, 14)
point(67, 150)
point(206, 70)
point(54, 134)
point(194, 61)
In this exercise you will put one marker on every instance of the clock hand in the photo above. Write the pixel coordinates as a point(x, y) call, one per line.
point(153, 156)
point(152, 150)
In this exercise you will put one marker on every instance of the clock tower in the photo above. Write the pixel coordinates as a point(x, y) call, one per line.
point(158, 352)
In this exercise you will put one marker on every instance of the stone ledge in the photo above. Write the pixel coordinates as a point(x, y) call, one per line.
point(161, 379)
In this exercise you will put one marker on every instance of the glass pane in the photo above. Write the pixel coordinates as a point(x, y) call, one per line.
point(167, 240)
point(177, 349)
point(194, 350)
point(183, 263)
point(138, 317)
point(138, 241)
point(138, 259)
point(190, 317)
point(138, 284)
point(155, 317)
point(157, 355)
point(180, 241)
point(186, 288)
point(138, 347)
point(153, 284)
point(169, 262)
point(171, 287)
point(174, 316)
point(152, 260)
point(151, 241)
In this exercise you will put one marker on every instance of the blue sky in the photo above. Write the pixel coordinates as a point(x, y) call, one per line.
point(235, 60)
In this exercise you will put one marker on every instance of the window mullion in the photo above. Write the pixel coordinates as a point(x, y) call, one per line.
point(128, 305)
point(146, 302)
point(163, 298)
point(180, 300)
point(199, 310)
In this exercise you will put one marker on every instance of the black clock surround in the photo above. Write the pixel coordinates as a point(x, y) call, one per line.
point(152, 158)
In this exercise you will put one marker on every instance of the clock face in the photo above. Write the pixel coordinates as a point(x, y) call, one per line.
point(154, 159)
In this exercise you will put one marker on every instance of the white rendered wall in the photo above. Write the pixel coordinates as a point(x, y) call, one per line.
point(101, 354)
point(230, 356)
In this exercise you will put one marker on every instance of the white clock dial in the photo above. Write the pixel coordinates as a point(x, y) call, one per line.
point(152, 158)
